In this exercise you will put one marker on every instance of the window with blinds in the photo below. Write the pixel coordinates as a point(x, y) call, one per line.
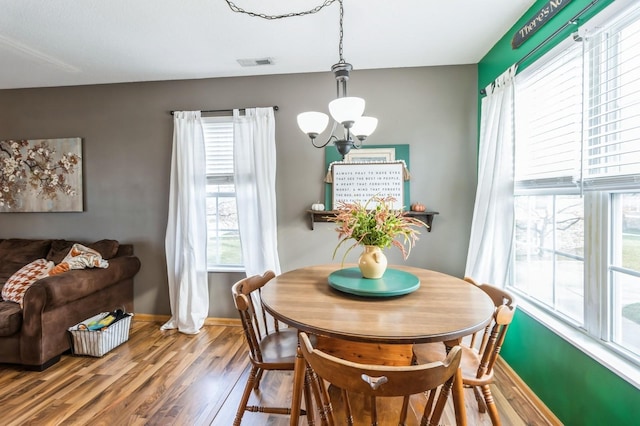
point(223, 247)
point(578, 113)
point(577, 172)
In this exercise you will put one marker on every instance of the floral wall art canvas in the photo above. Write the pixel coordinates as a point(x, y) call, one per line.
point(42, 175)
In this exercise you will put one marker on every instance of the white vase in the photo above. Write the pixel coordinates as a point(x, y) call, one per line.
point(372, 262)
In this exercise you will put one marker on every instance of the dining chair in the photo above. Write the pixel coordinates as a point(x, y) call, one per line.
point(480, 353)
point(374, 381)
point(271, 347)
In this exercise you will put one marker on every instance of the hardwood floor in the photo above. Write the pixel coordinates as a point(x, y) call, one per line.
point(168, 378)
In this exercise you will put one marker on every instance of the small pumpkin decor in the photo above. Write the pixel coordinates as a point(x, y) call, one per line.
point(376, 226)
point(418, 207)
point(317, 207)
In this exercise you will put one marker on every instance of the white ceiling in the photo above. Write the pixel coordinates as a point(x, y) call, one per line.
point(77, 42)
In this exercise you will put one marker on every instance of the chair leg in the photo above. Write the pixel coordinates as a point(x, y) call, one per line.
point(491, 406)
point(256, 385)
point(374, 411)
point(405, 409)
point(429, 406)
point(347, 407)
point(443, 395)
point(321, 397)
point(308, 404)
point(482, 407)
point(245, 396)
point(458, 399)
point(299, 372)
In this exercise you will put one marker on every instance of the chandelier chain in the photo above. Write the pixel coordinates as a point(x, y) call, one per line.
point(235, 8)
point(316, 9)
point(341, 33)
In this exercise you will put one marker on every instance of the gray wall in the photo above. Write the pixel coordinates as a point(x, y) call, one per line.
point(127, 136)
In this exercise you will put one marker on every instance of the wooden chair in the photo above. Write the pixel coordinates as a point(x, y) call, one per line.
point(481, 352)
point(378, 381)
point(270, 346)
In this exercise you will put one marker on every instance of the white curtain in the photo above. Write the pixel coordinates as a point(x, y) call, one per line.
point(491, 240)
point(255, 178)
point(186, 237)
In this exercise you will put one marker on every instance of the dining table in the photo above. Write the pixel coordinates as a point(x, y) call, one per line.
point(439, 308)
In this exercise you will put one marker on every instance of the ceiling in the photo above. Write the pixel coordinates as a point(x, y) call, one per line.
point(71, 42)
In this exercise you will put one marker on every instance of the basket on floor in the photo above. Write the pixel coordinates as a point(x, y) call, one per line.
point(99, 342)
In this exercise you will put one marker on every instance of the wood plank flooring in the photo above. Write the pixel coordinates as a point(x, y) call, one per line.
point(168, 378)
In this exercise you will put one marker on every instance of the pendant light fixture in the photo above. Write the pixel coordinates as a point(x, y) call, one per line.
point(345, 110)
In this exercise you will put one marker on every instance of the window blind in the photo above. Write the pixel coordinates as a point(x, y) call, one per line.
point(548, 108)
point(218, 136)
point(578, 112)
point(612, 136)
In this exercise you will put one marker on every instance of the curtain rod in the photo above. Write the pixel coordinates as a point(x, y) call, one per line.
point(208, 111)
point(572, 21)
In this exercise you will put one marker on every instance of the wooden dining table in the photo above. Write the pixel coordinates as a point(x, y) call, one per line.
point(443, 308)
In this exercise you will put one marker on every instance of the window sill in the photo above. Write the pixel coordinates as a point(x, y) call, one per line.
point(614, 362)
point(223, 270)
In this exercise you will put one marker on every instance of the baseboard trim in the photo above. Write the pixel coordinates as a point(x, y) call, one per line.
point(528, 393)
point(208, 321)
point(223, 321)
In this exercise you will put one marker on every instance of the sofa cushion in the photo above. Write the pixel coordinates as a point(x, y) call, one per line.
point(10, 318)
point(16, 286)
point(16, 252)
point(60, 249)
point(23, 251)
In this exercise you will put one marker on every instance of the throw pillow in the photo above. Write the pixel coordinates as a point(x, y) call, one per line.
point(80, 257)
point(17, 285)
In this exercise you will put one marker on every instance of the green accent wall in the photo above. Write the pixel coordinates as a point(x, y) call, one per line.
point(579, 390)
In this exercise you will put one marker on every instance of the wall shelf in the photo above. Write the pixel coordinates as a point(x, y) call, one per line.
point(323, 216)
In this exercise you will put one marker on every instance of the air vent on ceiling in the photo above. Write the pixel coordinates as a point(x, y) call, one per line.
point(255, 62)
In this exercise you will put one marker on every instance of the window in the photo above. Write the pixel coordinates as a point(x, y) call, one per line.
point(223, 246)
point(625, 271)
point(577, 171)
point(549, 255)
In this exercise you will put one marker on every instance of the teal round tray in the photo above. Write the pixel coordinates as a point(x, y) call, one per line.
point(393, 283)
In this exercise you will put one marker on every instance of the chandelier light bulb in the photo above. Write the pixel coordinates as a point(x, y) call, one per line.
point(346, 110)
point(312, 123)
point(364, 126)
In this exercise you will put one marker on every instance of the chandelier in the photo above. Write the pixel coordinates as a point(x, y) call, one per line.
point(345, 110)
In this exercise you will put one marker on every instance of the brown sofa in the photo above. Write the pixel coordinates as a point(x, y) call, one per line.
point(36, 335)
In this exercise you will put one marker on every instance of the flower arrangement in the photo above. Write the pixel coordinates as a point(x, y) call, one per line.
point(381, 226)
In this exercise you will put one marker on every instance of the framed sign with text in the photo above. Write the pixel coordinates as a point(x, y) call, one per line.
point(359, 182)
point(371, 156)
